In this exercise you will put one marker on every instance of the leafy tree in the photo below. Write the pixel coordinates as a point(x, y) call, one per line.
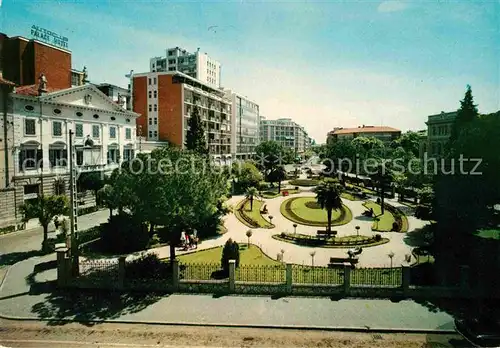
point(269, 154)
point(468, 112)
point(45, 208)
point(107, 196)
point(247, 174)
point(409, 141)
point(383, 177)
point(336, 151)
point(250, 194)
point(92, 181)
point(278, 175)
point(249, 234)
point(195, 138)
point(328, 197)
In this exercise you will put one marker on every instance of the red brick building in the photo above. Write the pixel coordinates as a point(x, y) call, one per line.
point(23, 60)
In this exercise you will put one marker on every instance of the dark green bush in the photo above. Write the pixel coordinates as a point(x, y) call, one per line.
point(231, 251)
point(378, 237)
point(147, 266)
point(304, 182)
point(123, 234)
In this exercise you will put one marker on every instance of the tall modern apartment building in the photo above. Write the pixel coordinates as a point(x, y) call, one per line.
point(197, 65)
point(245, 123)
point(165, 101)
point(286, 132)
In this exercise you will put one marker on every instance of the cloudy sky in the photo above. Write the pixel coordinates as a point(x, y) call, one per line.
point(322, 63)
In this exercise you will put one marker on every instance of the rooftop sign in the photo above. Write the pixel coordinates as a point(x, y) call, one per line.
point(48, 36)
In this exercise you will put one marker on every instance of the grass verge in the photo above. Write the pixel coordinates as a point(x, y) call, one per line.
point(251, 218)
point(386, 220)
point(295, 209)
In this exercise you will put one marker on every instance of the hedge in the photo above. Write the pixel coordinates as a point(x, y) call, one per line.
point(304, 182)
point(332, 242)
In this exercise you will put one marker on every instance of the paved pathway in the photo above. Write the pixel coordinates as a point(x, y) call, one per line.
point(371, 256)
point(19, 299)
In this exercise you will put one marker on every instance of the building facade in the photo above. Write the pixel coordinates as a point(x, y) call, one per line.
point(439, 128)
point(37, 130)
point(285, 132)
point(24, 60)
point(165, 101)
point(197, 65)
point(385, 134)
point(245, 125)
point(117, 94)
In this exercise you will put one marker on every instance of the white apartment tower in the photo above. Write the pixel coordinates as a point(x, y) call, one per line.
point(197, 65)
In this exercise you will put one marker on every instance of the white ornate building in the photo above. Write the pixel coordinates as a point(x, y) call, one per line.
point(36, 135)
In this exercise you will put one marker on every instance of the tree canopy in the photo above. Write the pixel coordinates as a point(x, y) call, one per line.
point(195, 138)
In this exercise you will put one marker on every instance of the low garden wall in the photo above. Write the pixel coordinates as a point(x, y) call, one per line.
point(331, 242)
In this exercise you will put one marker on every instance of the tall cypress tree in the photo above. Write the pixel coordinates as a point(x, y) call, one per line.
point(467, 113)
point(195, 139)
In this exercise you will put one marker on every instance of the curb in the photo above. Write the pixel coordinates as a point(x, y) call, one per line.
point(364, 329)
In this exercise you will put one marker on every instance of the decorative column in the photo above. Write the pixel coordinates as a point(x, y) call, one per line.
point(232, 275)
point(289, 278)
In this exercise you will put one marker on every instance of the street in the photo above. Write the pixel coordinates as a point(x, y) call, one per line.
point(38, 335)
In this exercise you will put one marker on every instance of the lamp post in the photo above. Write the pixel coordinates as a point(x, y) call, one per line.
point(282, 254)
point(357, 230)
point(391, 255)
point(294, 228)
point(312, 253)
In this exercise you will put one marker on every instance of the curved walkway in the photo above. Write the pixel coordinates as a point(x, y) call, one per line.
point(371, 256)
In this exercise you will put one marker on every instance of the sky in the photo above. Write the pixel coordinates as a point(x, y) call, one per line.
point(324, 64)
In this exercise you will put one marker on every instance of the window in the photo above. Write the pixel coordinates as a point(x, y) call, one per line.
point(149, 94)
point(156, 120)
point(156, 108)
point(154, 81)
point(150, 109)
point(79, 130)
point(56, 128)
point(128, 134)
point(29, 127)
point(29, 108)
point(79, 157)
point(58, 157)
point(96, 116)
point(95, 131)
point(149, 81)
point(57, 111)
point(150, 122)
point(154, 94)
point(30, 159)
point(113, 155)
point(171, 61)
point(128, 154)
point(156, 134)
point(79, 114)
point(112, 132)
point(113, 118)
point(150, 134)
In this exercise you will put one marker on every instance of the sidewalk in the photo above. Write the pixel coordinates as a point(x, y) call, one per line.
point(20, 300)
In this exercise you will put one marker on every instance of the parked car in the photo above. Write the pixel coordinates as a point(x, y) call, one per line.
point(479, 332)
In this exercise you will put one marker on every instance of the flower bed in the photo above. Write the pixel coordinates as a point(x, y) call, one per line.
point(401, 222)
point(300, 217)
point(331, 242)
point(304, 182)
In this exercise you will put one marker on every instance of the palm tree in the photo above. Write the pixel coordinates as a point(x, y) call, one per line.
point(328, 197)
point(382, 177)
point(279, 175)
point(250, 193)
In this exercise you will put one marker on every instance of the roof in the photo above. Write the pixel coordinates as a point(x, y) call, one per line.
point(6, 82)
point(32, 90)
point(365, 129)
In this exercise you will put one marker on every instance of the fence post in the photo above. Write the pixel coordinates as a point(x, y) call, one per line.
point(121, 272)
point(464, 279)
point(175, 275)
point(232, 269)
point(62, 267)
point(347, 279)
point(289, 278)
point(406, 275)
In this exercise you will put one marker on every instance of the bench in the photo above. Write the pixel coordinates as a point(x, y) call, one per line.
point(325, 233)
point(351, 260)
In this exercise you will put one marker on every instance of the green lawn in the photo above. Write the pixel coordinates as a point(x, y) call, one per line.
point(253, 214)
point(248, 256)
point(489, 234)
point(362, 188)
point(386, 220)
point(295, 209)
point(273, 193)
point(348, 196)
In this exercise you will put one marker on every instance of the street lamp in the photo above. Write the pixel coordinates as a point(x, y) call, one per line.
point(391, 255)
point(357, 230)
point(294, 228)
point(312, 253)
point(282, 254)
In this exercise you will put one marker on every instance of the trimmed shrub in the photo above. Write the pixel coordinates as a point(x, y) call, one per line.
point(308, 240)
point(378, 237)
point(87, 210)
point(304, 182)
point(231, 251)
point(147, 266)
point(122, 234)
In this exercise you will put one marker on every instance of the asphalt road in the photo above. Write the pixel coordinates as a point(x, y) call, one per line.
point(24, 241)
